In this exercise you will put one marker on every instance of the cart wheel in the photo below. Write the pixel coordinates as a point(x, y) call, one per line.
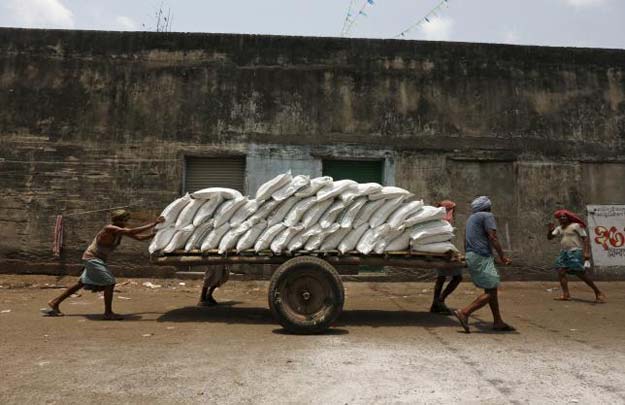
point(306, 295)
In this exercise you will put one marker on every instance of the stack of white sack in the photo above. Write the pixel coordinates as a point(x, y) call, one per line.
point(295, 213)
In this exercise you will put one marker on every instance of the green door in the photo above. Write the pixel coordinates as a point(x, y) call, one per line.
point(362, 171)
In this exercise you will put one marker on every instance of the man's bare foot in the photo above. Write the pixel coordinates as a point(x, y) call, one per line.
point(601, 298)
point(563, 297)
point(503, 327)
point(112, 317)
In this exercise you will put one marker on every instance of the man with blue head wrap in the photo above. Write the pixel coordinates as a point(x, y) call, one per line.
point(481, 204)
point(480, 240)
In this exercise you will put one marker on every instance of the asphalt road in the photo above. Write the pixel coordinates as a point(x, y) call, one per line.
point(385, 348)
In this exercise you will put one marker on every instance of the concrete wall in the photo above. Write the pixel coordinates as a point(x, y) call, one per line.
point(91, 120)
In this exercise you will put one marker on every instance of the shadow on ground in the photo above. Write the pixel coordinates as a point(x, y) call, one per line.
point(229, 313)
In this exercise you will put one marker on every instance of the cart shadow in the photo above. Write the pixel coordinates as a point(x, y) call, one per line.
point(232, 314)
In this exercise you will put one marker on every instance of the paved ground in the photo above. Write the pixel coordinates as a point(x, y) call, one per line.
point(384, 349)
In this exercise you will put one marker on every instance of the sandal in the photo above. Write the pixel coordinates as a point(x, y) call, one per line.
point(51, 312)
point(463, 320)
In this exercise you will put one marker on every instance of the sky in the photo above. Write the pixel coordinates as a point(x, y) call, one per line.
point(578, 23)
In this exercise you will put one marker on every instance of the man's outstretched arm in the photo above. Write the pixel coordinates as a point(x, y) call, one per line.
point(133, 231)
point(494, 242)
point(142, 237)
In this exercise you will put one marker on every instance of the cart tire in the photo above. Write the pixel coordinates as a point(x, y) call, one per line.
point(306, 295)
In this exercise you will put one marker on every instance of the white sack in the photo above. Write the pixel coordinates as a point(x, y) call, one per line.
point(200, 232)
point(367, 211)
point(406, 210)
point(227, 210)
point(351, 213)
point(180, 239)
point(188, 213)
point(299, 240)
point(441, 247)
point(279, 213)
point(329, 217)
point(161, 239)
point(366, 244)
point(214, 237)
point(290, 188)
point(265, 209)
point(298, 210)
point(428, 213)
point(332, 240)
point(267, 189)
point(379, 217)
point(315, 185)
point(360, 190)
point(313, 215)
point(390, 192)
point(380, 246)
point(207, 210)
point(244, 212)
point(402, 242)
point(265, 239)
point(350, 241)
point(314, 243)
point(441, 237)
point(281, 241)
point(217, 192)
point(334, 189)
point(171, 212)
point(430, 228)
point(230, 239)
point(249, 238)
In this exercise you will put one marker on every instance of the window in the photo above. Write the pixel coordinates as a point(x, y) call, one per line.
point(362, 171)
point(203, 172)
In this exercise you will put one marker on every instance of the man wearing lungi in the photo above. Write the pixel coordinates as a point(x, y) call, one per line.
point(96, 275)
point(480, 240)
point(214, 277)
point(574, 249)
point(438, 303)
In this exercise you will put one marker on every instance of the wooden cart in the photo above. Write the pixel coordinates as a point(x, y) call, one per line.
point(306, 294)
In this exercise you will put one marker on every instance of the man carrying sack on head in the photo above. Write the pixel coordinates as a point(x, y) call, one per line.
point(96, 275)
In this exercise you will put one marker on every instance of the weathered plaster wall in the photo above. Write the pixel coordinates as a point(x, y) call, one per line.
point(90, 120)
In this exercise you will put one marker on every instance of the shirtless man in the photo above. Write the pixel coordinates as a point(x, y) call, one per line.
point(96, 275)
point(438, 302)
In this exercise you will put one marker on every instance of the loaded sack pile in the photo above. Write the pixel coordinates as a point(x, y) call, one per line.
point(296, 213)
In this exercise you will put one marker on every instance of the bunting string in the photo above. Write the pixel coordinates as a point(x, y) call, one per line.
point(351, 18)
point(425, 20)
point(348, 16)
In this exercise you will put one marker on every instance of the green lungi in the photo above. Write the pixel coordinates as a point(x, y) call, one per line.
point(96, 274)
point(482, 270)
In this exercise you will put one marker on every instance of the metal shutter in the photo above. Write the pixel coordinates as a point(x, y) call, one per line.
point(203, 172)
point(362, 171)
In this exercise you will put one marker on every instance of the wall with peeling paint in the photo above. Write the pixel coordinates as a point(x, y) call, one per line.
point(90, 120)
